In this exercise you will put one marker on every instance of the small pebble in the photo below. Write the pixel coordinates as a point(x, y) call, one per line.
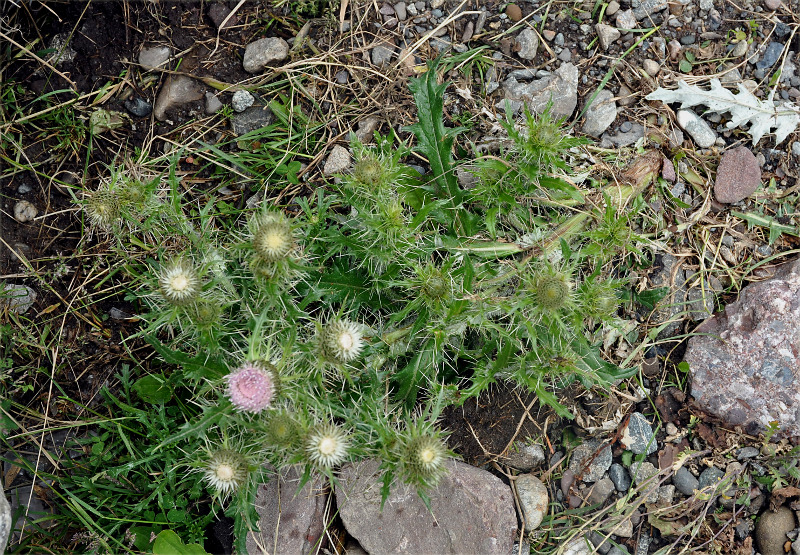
point(514, 12)
point(242, 100)
point(24, 211)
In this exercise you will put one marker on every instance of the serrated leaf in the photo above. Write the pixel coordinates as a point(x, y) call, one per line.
point(744, 108)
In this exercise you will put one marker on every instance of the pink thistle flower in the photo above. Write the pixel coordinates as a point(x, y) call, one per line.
point(251, 387)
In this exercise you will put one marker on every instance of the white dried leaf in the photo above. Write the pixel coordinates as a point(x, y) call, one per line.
point(744, 108)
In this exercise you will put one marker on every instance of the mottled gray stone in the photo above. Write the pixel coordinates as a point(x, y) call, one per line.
point(649, 7)
point(526, 44)
point(242, 100)
point(139, 107)
point(259, 54)
point(579, 546)
point(619, 475)
point(561, 88)
point(5, 522)
point(738, 175)
point(600, 491)
point(744, 361)
point(771, 530)
point(338, 161)
point(290, 522)
point(586, 465)
point(16, 297)
point(710, 477)
point(213, 103)
point(533, 500)
point(382, 54)
point(24, 211)
point(626, 20)
point(471, 511)
point(255, 117)
point(642, 472)
point(523, 456)
point(600, 114)
point(638, 435)
point(771, 55)
point(623, 138)
point(606, 35)
point(177, 90)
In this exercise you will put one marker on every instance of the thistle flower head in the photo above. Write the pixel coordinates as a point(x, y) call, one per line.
point(272, 237)
point(424, 456)
point(341, 341)
point(252, 387)
point(368, 170)
point(225, 471)
point(179, 282)
point(551, 290)
point(103, 208)
point(434, 284)
point(206, 314)
point(326, 445)
point(135, 193)
point(282, 431)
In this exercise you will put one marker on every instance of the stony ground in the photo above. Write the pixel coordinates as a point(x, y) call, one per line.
point(639, 470)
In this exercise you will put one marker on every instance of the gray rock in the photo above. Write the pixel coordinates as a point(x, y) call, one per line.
point(649, 7)
point(533, 500)
point(586, 465)
point(242, 100)
point(744, 363)
point(24, 211)
point(685, 482)
point(600, 542)
point(771, 55)
point(259, 54)
point(623, 529)
point(382, 54)
point(651, 67)
point(177, 90)
point(366, 128)
point(213, 103)
point(526, 44)
point(747, 453)
point(638, 435)
point(5, 522)
point(400, 10)
point(337, 162)
point(600, 491)
point(342, 76)
point(626, 97)
point(710, 477)
point(643, 543)
point(606, 35)
point(626, 20)
point(579, 546)
point(217, 13)
point(471, 511)
point(139, 107)
point(643, 473)
point(612, 8)
point(600, 114)
point(255, 117)
point(62, 53)
point(771, 530)
point(561, 88)
point(290, 521)
point(697, 128)
point(623, 138)
point(154, 57)
point(738, 175)
point(619, 475)
point(618, 551)
point(706, 5)
point(523, 456)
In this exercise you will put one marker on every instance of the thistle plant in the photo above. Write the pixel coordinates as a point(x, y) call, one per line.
point(341, 331)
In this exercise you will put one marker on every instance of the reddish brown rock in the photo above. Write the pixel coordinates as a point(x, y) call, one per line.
point(745, 362)
point(738, 175)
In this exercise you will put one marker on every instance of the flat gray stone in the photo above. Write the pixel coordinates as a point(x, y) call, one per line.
point(606, 35)
point(600, 114)
point(771, 530)
point(471, 511)
point(382, 54)
point(259, 54)
point(290, 522)
point(744, 361)
point(561, 88)
point(338, 161)
point(626, 20)
point(242, 100)
point(587, 463)
point(154, 57)
point(685, 482)
point(213, 103)
point(5, 522)
point(177, 90)
point(523, 456)
point(638, 436)
point(18, 298)
point(738, 175)
point(255, 117)
point(649, 7)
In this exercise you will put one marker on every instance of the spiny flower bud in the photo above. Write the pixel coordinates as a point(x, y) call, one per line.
point(251, 387)
point(551, 290)
point(206, 314)
point(326, 445)
point(425, 456)
point(225, 471)
point(341, 340)
point(103, 208)
point(434, 285)
point(179, 282)
point(369, 171)
point(282, 430)
point(272, 237)
point(135, 194)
